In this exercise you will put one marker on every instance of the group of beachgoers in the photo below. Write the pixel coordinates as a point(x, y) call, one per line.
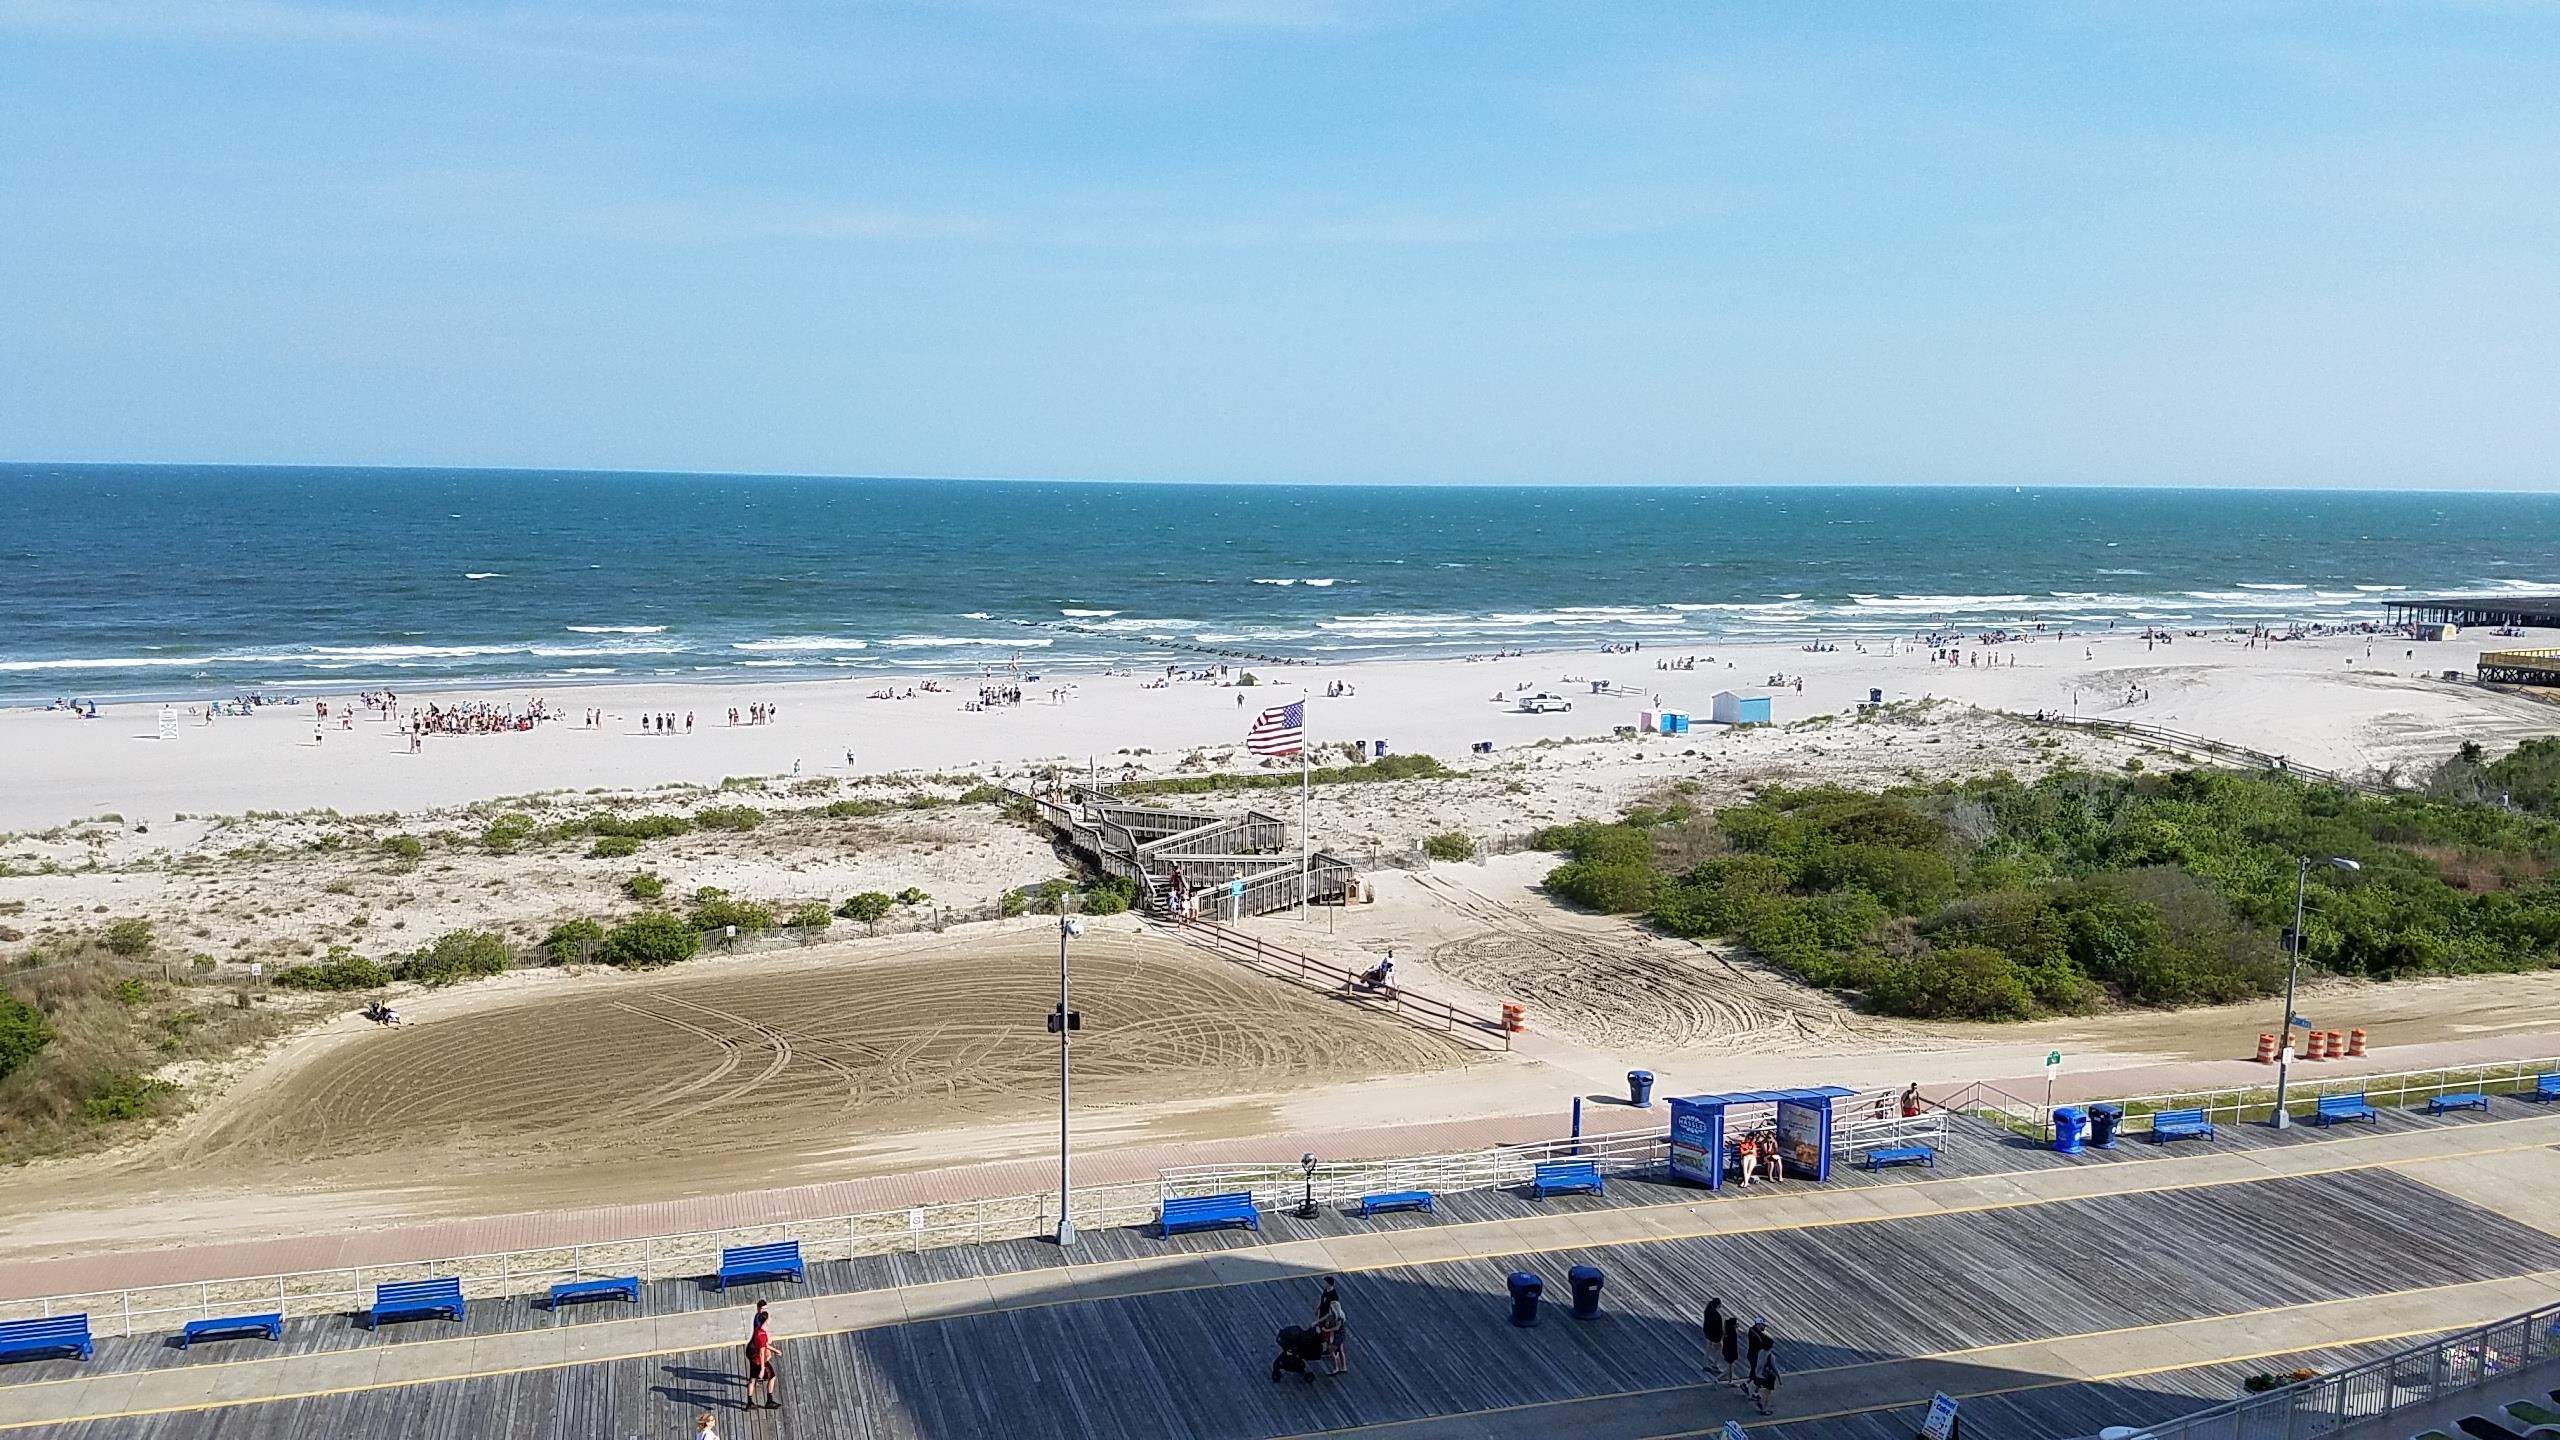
point(479, 717)
point(754, 714)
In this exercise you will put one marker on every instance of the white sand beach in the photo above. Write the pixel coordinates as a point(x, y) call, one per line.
point(2349, 703)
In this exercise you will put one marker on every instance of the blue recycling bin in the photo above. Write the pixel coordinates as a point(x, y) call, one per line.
point(1526, 1287)
point(2105, 1121)
point(1586, 1281)
point(1640, 1089)
point(2069, 1123)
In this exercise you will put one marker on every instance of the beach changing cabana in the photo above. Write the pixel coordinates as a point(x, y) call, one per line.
point(1732, 707)
point(1803, 1117)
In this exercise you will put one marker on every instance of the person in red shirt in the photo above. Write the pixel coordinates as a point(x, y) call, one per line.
point(760, 1368)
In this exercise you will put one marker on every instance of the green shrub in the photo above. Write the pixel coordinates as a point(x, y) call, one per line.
point(507, 832)
point(456, 955)
point(813, 916)
point(714, 909)
point(23, 1032)
point(856, 809)
point(1450, 845)
point(649, 941)
point(126, 1095)
point(644, 886)
point(912, 896)
point(1957, 982)
point(867, 907)
point(1111, 895)
point(1392, 767)
point(343, 970)
point(572, 941)
point(983, 794)
point(1614, 887)
point(405, 847)
point(130, 939)
point(728, 817)
point(613, 847)
point(645, 827)
point(132, 991)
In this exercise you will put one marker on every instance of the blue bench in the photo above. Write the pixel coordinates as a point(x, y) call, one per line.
point(1567, 1177)
point(1397, 1200)
point(1884, 1155)
point(1208, 1212)
point(780, 1260)
point(271, 1326)
point(2330, 1109)
point(2168, 1125)
point(617, 1287)
point(2547, 1087)
point(2437, 1105)
point(44, 1337)
point(408, 1299)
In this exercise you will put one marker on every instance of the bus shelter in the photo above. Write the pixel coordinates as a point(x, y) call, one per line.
point(1699, 1124)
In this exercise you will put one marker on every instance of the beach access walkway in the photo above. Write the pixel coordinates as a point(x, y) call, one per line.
point(2121, 1287)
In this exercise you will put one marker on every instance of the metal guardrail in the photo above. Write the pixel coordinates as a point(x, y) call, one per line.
point(1333, 1182)
point(2397, 1090)
point(2419, 1375)
point(1339, 981)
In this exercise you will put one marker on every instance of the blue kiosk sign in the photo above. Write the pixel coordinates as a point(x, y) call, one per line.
point(1803, 1126)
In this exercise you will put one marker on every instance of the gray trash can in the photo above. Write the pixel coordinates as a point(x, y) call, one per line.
point(1586, 1281)
point(1640, 1089)
point(2069, 1124)
point(1526, 1287)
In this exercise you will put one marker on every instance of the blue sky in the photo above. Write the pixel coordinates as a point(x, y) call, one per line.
point(1321, 240)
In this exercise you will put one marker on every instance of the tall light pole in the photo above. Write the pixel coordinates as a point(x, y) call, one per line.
point(2293, 971)
point(1064, 1022)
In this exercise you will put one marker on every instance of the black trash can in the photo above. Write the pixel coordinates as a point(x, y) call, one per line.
point(1526, 1287)
point(1586, 1281)
point(2104, 1122)
point(2069, 1124)
point(1640, 1089)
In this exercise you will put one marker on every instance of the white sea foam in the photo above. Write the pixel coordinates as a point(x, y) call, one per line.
point(2267, 585)
point(617, 629)
point(1318, 583)
point(484, 574)
point(1005, 642)
point(802, 642)
point(1075, 614)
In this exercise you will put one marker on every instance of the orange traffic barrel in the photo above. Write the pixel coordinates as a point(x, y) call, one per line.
point(2355, 1043)
point(2318, 1049)
point(1515, 1017)
point(2266, 1048)
point(2337, 1046)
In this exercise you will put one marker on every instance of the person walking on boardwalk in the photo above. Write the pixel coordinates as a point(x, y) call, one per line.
point(1756, 1345)
point(1764, 1381)
point(1333, 1328)
point(1714, 1330)
point(760, 1366)
point(1733, 1351)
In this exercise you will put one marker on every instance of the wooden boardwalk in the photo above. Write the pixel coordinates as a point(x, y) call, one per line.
point(1430, 1338)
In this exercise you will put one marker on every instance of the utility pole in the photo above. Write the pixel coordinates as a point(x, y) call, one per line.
point(1064, 1022)
point(2293, 973)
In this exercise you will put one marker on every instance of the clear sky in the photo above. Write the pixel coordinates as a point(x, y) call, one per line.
point(1291, 239)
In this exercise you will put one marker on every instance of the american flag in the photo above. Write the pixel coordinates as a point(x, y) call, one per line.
point(1280, 730)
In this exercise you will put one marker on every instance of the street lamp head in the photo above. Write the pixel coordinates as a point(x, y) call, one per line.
point(1071, 927)
point(2343, 863)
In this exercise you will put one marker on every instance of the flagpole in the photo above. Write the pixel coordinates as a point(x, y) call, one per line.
point(1306, 741)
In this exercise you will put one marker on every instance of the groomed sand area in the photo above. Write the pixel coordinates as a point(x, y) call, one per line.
point(787, 1058)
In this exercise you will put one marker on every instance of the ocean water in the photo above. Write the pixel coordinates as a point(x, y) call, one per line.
point(140, 581)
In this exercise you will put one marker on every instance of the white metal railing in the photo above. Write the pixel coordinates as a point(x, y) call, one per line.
point(1336, 1181)
point(2420, 1375)
point(674, 1256)
point(2397, 1090)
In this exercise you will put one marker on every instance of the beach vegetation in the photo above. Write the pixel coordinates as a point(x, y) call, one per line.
point(913, 896)
point(23, 1033)
point(2000, 899)
point(344, 969)
point(506, 832)
point(716, 909)
point(812, 916)
point(648, 942)
point(1111, 895)
point(983, 793)
point(129, 939)
point(571, 942)
point(868, 907)
point(456, 956)
point(639, 827)
point(1450, 845)
point(856, 809)
point(127, 1095)
point(613, 847)
point(728, 817)
point(644, 886)
point(1385, 768)
point(2527, 777)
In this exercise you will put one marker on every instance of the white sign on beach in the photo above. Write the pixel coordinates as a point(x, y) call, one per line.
point(168, 722)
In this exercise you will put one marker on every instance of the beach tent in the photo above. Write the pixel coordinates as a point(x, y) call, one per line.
point(1733, 708)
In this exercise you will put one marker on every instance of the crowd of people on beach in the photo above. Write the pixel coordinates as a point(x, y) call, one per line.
point(479, 717)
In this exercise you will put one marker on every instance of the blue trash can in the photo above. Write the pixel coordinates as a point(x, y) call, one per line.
point(1526, 1287)
point(2104, 1122)
point(1586, 1281)
point(1640, 1089)
point(2068, 1125)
